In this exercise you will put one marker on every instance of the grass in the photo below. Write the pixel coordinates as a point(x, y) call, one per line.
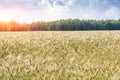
point(84, 55)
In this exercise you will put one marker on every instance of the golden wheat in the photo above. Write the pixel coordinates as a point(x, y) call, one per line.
point(86, 55)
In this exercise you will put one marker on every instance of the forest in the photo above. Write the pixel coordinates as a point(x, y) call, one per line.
point(61, 25)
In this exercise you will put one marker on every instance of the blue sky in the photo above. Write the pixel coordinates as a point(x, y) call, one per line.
point(50, 10)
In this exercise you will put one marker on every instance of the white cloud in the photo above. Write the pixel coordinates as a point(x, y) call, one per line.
point(112, 13)
point(56, 9)
point(57, 5)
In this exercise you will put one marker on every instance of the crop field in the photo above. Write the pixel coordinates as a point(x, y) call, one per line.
point(57, 55)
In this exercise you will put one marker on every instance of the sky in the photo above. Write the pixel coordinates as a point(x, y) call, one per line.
point(50, 10)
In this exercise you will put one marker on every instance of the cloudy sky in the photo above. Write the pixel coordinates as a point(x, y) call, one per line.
point(49, 10)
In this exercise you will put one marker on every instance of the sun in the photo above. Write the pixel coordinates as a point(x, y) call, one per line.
point(5, 18)
point(10, 14)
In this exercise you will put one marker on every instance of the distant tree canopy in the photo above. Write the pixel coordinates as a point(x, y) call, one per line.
point(62, 25)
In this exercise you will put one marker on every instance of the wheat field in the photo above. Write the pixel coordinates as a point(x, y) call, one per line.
point(57, 55)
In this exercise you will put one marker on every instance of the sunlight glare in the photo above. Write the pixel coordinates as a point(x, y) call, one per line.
point(7, 15)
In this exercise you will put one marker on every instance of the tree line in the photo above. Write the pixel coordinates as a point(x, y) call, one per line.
point(61, 25)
